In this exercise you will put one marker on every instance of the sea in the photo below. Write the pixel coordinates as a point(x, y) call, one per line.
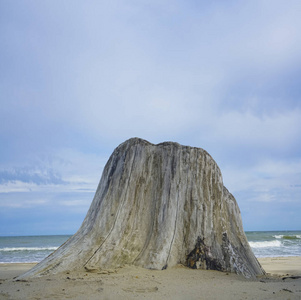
point(32, 249)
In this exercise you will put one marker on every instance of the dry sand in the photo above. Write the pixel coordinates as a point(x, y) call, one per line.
point(174, 283)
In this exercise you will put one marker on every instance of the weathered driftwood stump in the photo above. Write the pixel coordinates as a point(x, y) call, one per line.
point(157, 206)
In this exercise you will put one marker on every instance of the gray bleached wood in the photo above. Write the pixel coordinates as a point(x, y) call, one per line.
point(157, 206)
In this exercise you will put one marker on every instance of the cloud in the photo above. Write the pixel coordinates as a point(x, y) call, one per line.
point(264, 176)
point(30, 176)
point(108, 79)
point(65, 168)
point(72, 184)
point(274, 133)
point(23, 203)
point(77, 80)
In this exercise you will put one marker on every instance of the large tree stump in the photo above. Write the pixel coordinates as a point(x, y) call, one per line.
point(157, 206)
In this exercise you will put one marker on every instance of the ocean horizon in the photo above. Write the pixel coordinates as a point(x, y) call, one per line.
point(34, 248)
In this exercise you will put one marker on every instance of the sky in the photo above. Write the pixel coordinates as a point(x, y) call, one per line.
point(78, 78)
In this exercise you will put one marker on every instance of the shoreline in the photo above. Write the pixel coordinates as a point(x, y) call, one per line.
point(178, 283)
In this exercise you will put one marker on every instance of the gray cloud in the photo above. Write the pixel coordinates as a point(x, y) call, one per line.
point(78, 79)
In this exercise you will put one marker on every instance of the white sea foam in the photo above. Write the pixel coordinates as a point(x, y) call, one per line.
point(287, 237)
point(28, 249)
point(265, 244)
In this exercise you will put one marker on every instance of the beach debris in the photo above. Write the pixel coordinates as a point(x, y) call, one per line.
point(141, 290)
point(291, 277)
point(157, 206)
point(92, 270)
point(21, 280)
point(287, 290)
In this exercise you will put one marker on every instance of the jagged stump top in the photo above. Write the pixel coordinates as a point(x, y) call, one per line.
point(157, 206)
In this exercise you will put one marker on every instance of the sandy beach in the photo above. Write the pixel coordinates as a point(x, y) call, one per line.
point(282, 282)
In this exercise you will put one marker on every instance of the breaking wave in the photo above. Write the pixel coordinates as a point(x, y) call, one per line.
point(28, 249)
point(287, 237)
point(265, 244)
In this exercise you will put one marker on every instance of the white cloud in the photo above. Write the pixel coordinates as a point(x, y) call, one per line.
point(21, 203)
point(268, 181)
point(271, 131)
